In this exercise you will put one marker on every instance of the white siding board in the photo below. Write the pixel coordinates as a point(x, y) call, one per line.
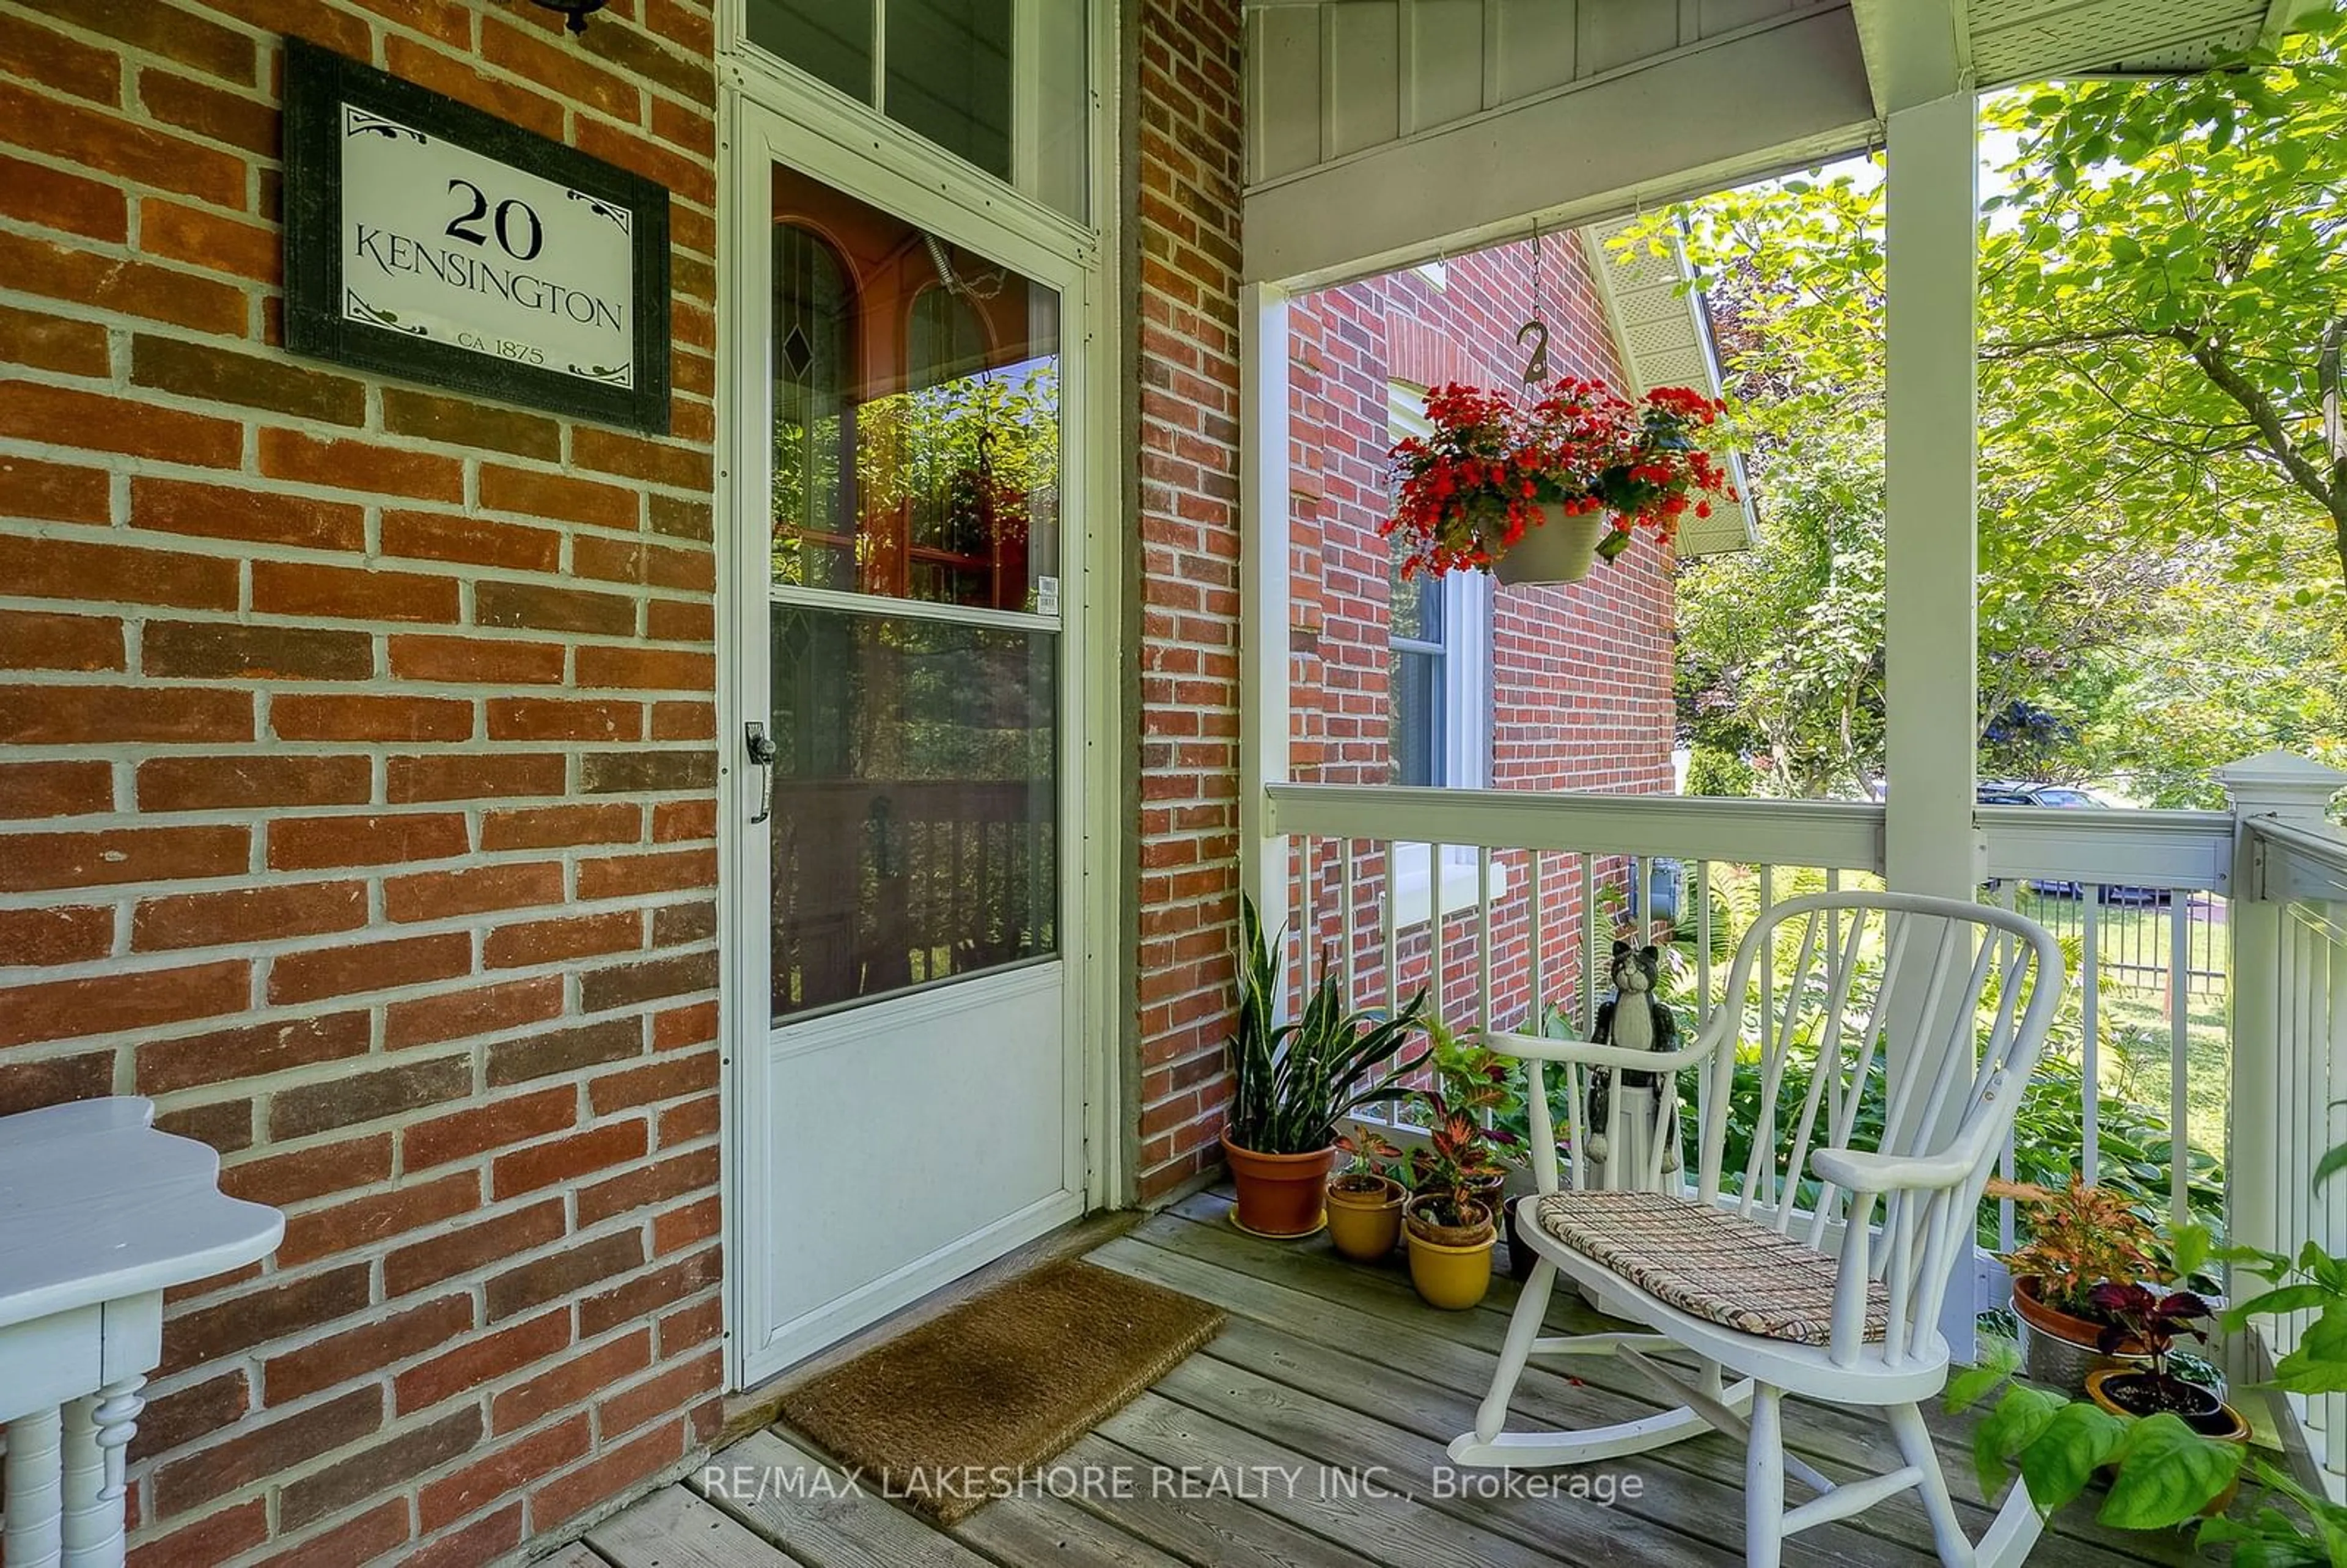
point(1284, 88)
point(1446, 61)
point(1538, 47)
point(1617, 33)
point(1364, 75)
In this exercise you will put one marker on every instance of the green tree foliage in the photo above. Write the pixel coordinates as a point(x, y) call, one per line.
point(1781, 649)
point(2166, 274)
point(2163, 500)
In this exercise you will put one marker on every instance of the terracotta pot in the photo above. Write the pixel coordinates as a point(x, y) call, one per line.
point(2059, 1350)
point(1279, 1194)
point(1364, 1223)
point(1562, 549)
point(2213, 1419)
point(1450, 1265)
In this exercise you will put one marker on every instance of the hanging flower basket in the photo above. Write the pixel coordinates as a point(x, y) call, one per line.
point(1560, 547)
point(1538, 492)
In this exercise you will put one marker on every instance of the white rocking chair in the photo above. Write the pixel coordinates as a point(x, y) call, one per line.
point(1830, 1289)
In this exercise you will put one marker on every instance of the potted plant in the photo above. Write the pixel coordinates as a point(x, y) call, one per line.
point(1538, 492)
point(1470, 1077)
point(2150, 1320)
point(1449, 1225)
point(1449, 1233)
point(1364, 1198)
point(2170, 1451)
point(1293, 1082)
point(2081, 1238)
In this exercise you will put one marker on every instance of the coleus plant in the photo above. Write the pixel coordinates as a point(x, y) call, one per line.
point(2147, 1322)
point(1468, 492)
point(1470, 1082)
point(2163, 1474)
point(1371, 1158)
point(2081, 1236)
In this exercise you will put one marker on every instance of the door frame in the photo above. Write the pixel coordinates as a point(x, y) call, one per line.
point(768, 111)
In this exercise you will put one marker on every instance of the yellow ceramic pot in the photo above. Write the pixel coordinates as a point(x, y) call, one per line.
point(1364, 1222)
point(1450, 1265)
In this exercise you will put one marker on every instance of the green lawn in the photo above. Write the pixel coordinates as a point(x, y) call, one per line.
point(2136, 1028)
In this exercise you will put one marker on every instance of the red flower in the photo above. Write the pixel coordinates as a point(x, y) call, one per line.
point(1466, 495)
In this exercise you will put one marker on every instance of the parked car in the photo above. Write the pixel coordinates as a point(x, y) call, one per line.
point(2064, 798)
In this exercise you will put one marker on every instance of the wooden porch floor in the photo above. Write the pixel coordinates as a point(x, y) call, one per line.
point(1326, 1366)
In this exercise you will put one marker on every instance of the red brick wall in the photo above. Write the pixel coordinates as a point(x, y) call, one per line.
point(1186, 235)
point(1581, 673)
point(359, 792)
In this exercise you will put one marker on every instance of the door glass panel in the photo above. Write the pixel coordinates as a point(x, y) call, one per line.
point(949, 75)
point(917, 412)
point(828, 39)
point(916, 804)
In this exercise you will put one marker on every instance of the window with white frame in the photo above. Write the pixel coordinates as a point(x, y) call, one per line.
point(1002, 85)
point(1439, 698)
point(1438, 655)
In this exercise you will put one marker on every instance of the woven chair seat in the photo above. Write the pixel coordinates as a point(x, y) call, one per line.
point(1708, 1263)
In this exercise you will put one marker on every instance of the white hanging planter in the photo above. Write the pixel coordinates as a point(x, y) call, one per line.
point(1559, 549)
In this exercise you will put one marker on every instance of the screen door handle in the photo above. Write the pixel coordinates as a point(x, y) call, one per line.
point(762, 753)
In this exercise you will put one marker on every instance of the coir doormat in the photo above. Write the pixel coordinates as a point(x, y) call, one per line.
point(999, 1385)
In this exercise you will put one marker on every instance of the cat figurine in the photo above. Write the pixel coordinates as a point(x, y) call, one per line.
point(1634, 1019)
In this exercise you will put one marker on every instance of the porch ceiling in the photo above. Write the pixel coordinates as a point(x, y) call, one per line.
point(1916, 52)
point(1382, 133)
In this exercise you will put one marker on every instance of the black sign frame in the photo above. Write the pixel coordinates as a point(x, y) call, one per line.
point(318, 83)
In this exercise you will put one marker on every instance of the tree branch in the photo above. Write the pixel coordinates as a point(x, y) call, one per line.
point(2209, 356)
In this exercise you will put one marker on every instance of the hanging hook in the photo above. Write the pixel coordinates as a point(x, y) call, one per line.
point(1535, 367)
point(1536, 364)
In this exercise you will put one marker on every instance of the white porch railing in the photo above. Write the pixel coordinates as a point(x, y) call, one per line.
point(2198, 1054)
point(2288, 1045)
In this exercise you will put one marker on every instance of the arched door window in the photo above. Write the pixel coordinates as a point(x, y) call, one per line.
point(814, 348)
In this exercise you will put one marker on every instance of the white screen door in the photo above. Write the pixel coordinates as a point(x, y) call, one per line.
point(908, 1098)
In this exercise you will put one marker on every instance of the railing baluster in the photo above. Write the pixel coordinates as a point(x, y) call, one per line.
point(1308, 916)
point(1592, 957)
point(2090, 991)
point(1435, 968)
point(2291, 1060)
point(2179, 1059)
point(1345, 921)
point(1483, 937)
point(1703, 1003)
point(1391, 903)
point(1534, 930)
point(2332, 1119)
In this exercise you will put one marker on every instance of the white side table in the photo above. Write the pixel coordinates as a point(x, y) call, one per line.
point(98, 1214)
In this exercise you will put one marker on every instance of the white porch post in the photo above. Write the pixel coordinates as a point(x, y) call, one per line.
point(2282, 787)
point(1931, 437)
point(1931, 445)
point(1264, 591)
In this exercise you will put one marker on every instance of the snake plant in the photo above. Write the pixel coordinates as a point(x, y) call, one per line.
point(1293, 1081)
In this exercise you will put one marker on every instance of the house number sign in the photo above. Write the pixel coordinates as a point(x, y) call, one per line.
point(427, 239)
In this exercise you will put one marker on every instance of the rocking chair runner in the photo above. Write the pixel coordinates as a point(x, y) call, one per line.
point(1819, 1267)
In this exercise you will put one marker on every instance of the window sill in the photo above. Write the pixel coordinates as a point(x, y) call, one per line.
point(1461, 884)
